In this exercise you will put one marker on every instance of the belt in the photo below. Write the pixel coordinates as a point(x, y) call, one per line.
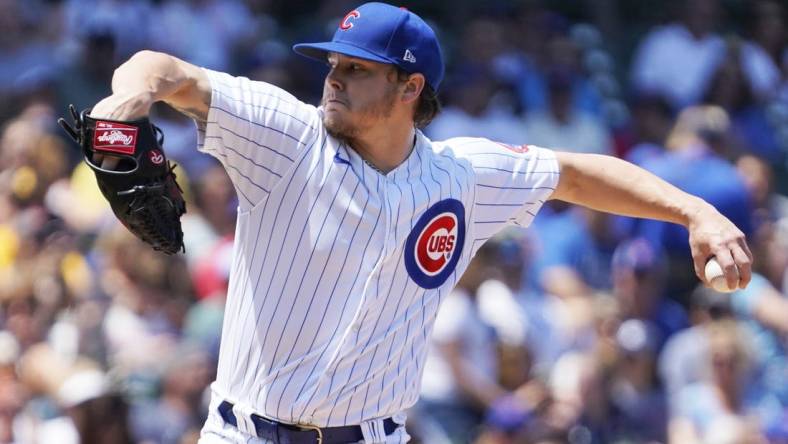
point(281, 433)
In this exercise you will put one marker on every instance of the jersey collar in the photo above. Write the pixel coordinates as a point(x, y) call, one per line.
point(406, 171)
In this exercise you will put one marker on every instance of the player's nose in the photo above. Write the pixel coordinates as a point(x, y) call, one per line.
point(333, 81)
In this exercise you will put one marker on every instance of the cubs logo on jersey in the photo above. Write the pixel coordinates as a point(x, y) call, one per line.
point(435, 243)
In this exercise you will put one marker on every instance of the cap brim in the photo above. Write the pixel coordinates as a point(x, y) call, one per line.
point(319, 51)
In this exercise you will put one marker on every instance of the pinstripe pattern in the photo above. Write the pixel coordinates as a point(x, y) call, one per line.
point(324, 323)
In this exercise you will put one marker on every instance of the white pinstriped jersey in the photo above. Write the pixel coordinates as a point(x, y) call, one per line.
point(338, 270)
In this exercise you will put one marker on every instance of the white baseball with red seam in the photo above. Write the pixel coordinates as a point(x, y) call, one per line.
point(716, 277)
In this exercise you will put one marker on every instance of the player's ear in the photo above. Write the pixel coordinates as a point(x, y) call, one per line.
point(413, 87)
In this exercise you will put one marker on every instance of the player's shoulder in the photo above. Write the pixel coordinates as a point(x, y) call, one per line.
point(260, 95)
point(479, 148)
point(459, 147)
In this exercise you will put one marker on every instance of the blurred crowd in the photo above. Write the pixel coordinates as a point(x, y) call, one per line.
point(585, 328)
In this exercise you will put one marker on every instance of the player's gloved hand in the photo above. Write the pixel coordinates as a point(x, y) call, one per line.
point(120, 107)
point(141, 187)
point(712, 234)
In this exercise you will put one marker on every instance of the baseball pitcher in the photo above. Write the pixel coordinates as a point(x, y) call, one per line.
point(353, 226)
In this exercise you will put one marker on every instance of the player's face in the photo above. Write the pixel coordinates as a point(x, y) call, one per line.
point(357, 95)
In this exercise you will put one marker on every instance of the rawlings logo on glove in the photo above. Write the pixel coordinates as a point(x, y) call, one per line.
point(142, 191)
point(115, 137)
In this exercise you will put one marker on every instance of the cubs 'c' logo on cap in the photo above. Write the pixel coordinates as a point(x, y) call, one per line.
point(345, 24)
point(435, 244)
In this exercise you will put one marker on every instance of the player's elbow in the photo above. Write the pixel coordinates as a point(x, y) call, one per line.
point(140, 57)
point(147, 55)
point(147, 60)
point(568, 186)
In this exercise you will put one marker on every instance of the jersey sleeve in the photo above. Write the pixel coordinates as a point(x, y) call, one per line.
point(511, 182)
point(257, 131)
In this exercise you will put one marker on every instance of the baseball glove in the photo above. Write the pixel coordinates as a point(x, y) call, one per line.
point(141, 189)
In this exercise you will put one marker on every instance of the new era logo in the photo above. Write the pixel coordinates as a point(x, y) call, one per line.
point(409, 57)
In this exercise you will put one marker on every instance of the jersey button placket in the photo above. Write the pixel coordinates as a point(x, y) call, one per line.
point(392, 198)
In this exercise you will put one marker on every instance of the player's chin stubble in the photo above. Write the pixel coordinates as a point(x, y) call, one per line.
point(340, 126)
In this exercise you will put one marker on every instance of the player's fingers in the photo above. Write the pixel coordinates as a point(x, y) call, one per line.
point(109, 163)
point(746, 248)
point(106, 162)
point(699, 271)
point(743, 265)
point(700, 256)
point(728, 265)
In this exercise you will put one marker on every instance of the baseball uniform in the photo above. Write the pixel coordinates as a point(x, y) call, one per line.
point(338, 269)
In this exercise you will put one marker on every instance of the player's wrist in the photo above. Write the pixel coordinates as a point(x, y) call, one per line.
point(694, 211)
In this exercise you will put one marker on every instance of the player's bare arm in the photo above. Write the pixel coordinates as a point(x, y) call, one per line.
point(613, 185)
point(148, 77)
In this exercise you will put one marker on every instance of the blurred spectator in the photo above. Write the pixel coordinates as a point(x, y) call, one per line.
point(460, 373)
point(764, 311)
point(98, 414)
point(681, 361)
point(203, 32)
point(573, 250)
point(213, 220)
point(636, 394)
point(504, 292)
point(555, 51)
point(471, 111)
point(31, 159)
point(724, 399)
point(772, 251)
point(677, 60)
point(561, 125)
point(558, 303)
point(580, 406)
point(652, 119)
point(639, 274)
point(21, 50)
point(758, 175)
point(127, 20)
point(179, 408)
point(180, 139)
point(87, 78)
point(13, 397)
point(750, 129)
point(149, 301)
point(763, 308)
point(761, 55)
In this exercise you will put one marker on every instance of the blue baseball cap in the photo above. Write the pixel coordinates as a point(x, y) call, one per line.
point(385, 34)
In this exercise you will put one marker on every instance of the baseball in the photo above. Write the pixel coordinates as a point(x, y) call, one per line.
point(716, 277)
